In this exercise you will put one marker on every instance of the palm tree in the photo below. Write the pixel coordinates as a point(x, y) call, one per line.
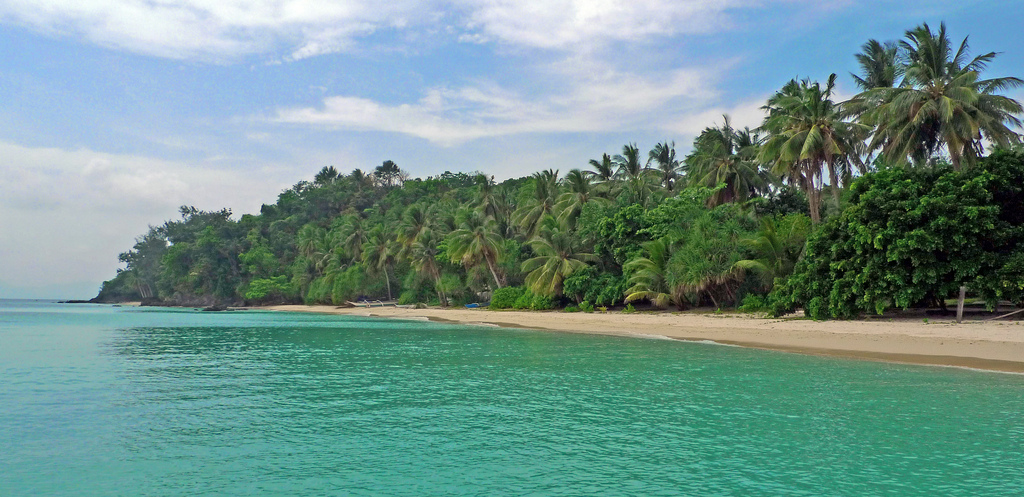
point(806, 134)
point(633, 174)
point(389, 175)
point(379, 254)
point(603, 170)
point(664, 156)
point(414, 222)
point(724, 155)
point(314, 244)
point(647, 275)
point(477, 240)
point(352, 236)
point(326, 176)
point(580, 192)
point(423, 257)
point(531, 214)
point(776, 248)
point(878, 64)
point(558, 256)
point(941, 104)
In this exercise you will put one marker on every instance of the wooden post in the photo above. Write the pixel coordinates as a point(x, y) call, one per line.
point(960, 304)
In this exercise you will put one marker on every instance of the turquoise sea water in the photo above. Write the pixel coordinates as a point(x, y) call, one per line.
point(97, 400)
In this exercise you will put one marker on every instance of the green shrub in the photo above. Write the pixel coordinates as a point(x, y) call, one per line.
point(571, 308)
point(629, 309)
point(586, 306)
point(505, 298)
point(600, 288)
point(410, 296)
point(524, 301)
point(264, 289)
point(754, 303)
point(542, 303)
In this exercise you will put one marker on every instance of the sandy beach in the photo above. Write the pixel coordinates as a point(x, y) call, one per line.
point(989, 345)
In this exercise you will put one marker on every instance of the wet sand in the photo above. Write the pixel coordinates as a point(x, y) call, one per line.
point(989, 345)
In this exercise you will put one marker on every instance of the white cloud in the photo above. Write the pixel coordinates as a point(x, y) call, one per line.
point(217, 30)
point(228, 29)
point(572, 24)
point(597, 100)
point(66, 214)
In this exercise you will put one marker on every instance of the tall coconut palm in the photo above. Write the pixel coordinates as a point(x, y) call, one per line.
point(579, 192)
point(878, 65)
point(379, 253)
point(633, 174)
point(663, 155)
point(477, 240)
point(313, 244)
point(942, 103)
point(726, 155)
point(530, 215)
point(351, 237)
point(414, 222)
point(558, 256)
point(326, 176)
point(603, 170)
point(423, 257)
point(487, 196)
point(806, 135)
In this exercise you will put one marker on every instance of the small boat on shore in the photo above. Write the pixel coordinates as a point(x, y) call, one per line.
point(367, 303)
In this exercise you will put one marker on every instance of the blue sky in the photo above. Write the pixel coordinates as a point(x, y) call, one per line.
point(115, 112)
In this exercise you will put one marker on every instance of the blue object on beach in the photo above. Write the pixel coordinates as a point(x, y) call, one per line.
point(472, 306)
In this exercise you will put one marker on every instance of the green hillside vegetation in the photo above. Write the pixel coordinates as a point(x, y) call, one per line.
point(892, 199)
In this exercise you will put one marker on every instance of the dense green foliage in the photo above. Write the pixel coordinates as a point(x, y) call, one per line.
point(850, 198)
point(914, 237)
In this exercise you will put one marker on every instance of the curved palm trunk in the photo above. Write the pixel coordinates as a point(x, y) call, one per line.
point(437, 286)
point(490, 265)
point(387, 279)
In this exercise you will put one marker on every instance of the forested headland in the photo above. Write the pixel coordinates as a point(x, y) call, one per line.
point(892, 199)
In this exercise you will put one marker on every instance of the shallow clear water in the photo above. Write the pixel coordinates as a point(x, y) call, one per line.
point(97, 400)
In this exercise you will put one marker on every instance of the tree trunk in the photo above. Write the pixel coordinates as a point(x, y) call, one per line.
point(388, 280)
point(812, 202)
point(960, 304)
point(440, 292)
point(490, 265)
point(834, 180)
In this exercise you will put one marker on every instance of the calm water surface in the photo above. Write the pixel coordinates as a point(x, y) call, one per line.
point(97, 400)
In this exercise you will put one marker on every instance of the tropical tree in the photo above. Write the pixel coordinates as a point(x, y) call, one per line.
point(647, 278)
point(942, 103)
point(777, 247)
point(477, 240)
point(379, 253)
point(603, 170)
point(724, 155)
point(423, 257)
point(352, 236)
point(414, 222)
point(326, 176)
point(633, 174)
point(663, 155)
point(389, 175)
point(878, 65)
point(314, 245)
point(531, 214)
point(580, 191)
point(558, 255)
point(807, 134)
